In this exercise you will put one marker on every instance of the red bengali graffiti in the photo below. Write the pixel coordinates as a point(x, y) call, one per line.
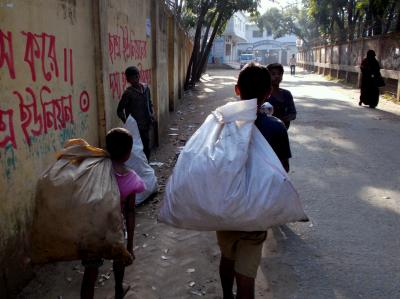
point(65, 65)
point(123, 44)
point(7, 53)
point(145, 74)
point(57, 112)
point(114, 46)
point(124, 82)
point(39, 110)
point(68, 66)
point(31, 119)
point(115, 85)
point(118, 83)
point(7, 134)
point(53, 113)
point(41, 47)
point(138, 49)
point(71, 68)
point(84, 101)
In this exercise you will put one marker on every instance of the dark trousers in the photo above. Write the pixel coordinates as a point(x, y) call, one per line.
point(292, 69)
point(145, 136)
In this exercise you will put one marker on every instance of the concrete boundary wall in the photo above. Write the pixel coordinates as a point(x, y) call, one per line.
point(61, 76)
point(343, 60)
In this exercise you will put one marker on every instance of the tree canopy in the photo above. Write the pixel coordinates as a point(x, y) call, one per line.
point(330, 21)
point(207, 18)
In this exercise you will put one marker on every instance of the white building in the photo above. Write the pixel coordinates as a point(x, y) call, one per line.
point(225, 47)
point(240, 36)
point(266, 48)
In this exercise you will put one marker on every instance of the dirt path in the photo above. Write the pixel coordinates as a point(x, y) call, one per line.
point(168, 261)
point(346, 168)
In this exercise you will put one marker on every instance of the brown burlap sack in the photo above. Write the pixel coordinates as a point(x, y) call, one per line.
point(77, 213)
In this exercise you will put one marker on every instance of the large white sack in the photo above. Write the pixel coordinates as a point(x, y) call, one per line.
point(138, 162)
point(227, 177)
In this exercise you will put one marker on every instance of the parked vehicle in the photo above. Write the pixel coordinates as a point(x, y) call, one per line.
point(245, 59)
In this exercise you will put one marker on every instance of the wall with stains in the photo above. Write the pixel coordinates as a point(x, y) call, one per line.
point(62, 66)
point(47, 96)
point(126, 41)
point(160, 58)
point(343, 60)
point(179, 56)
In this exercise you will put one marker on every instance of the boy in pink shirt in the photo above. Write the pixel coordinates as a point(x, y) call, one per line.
point(119, 145)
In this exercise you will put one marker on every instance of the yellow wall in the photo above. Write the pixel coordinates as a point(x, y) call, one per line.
point(126, 41)
point(160, 59)
point(47, 96)
point(61, 77)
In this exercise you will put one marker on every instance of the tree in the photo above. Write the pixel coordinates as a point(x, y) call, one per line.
point(211, 17)
point(382, 15)
point(348, 19)
point(331, 21)
point(288, 20)
point(176, 6)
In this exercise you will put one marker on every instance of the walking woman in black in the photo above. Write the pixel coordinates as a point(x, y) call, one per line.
point(371, 80)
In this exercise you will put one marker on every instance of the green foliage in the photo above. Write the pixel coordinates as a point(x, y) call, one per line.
point(193, 8)
point(189, 19)
point(290, 20)
point(329, 21)
point(207, 16)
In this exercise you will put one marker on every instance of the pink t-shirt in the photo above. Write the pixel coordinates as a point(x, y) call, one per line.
point(129, 183)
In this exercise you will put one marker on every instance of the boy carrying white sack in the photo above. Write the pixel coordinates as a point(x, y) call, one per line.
point(231, 147)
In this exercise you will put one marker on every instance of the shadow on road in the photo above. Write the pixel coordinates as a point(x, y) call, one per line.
point(291, 84)
point(286, 258)
point(344, 167)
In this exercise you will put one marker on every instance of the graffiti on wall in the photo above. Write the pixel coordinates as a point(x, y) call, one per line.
point(39, 109)
point(124, 47)
point(118, 81)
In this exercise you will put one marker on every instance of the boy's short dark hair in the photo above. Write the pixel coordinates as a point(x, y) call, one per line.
point(254, 81)
point(118, 143)
point(131, 71)
point(275, 66)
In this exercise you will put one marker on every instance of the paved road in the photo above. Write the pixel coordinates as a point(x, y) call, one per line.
point(345, 166)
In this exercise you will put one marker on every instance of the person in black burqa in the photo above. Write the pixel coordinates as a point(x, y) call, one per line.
point(136, 101)
point(371, 80)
